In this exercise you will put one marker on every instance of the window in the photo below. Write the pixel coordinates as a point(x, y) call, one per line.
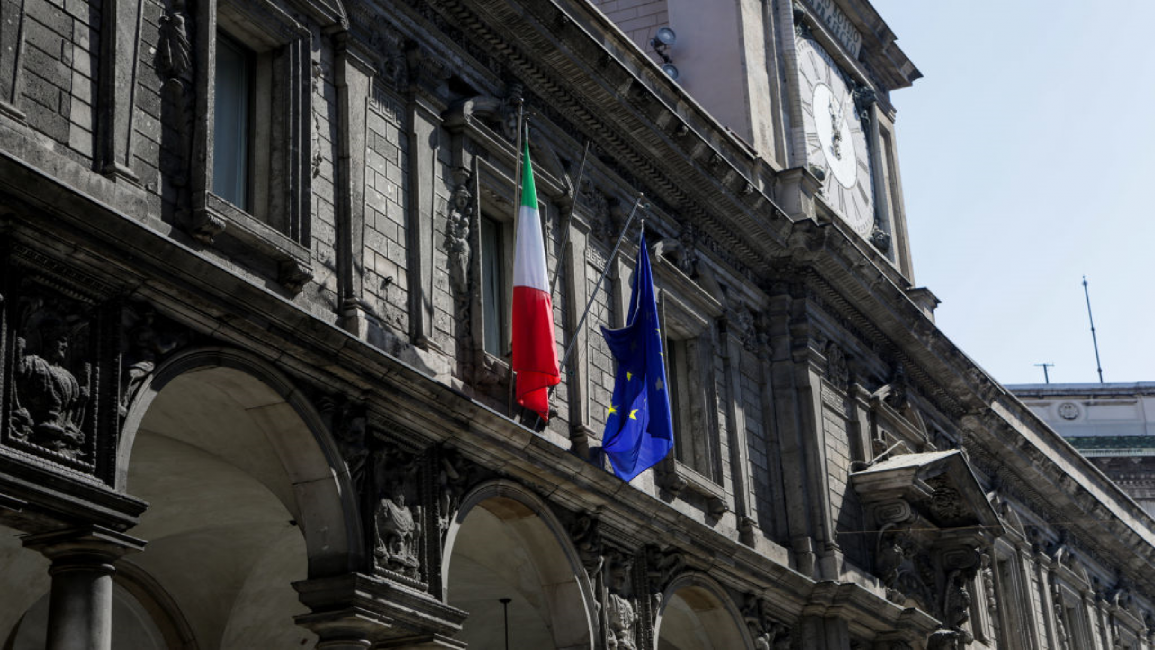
point(688, 353)
point(232, 122)
point(493, 265)
point(691, 442)
point(1011, 598)
point(256, 188)
point(254, 137)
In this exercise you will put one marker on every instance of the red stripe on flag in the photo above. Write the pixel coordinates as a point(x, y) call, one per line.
point(534, 352)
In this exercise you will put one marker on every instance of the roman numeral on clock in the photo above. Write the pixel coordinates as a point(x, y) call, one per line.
point(813, 141)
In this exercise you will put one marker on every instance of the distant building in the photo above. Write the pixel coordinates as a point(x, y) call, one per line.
point(1112, 424)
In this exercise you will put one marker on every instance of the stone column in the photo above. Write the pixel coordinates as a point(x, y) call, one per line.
point(80, 603)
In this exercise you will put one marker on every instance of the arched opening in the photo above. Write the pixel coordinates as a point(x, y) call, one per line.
point(505, 544)
point(695, 615)
point(225, 542)
point(244, 500)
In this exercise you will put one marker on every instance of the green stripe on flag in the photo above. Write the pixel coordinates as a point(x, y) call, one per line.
point(528, 189)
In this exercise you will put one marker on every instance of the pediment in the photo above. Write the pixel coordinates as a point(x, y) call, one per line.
point(940, 486)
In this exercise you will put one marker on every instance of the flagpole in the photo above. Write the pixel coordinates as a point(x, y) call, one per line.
point(569, 217)
point(517, 155)
point(605, 271)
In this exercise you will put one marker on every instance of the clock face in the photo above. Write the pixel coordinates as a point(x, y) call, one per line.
point(835, 141)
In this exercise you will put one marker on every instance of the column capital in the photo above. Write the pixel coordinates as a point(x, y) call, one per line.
point(90, 545)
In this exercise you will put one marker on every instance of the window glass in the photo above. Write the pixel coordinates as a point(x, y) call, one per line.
point(492, 286)
point(231, 125)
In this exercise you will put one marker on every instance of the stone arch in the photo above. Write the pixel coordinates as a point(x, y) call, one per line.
point(321, 497)
point(538, 566)
point(697, 614)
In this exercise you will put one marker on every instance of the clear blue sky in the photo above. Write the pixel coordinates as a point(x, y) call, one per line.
point(1027, 155)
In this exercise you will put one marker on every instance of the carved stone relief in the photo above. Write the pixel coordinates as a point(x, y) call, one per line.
point(662, 566)
point(621, 614)
point(146, 338)
point(176, 65)
point(586, 535)
point(53, 375)
point(62, 354)
point(767, 633)
point(596, 206)
point(397, 522)
point(904, 567)
point(457, 226)
point(740, 324)
point(837, 371)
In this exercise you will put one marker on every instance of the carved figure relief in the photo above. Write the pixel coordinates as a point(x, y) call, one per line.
point(318, 83)
point(956, 600)
point(740, 324)
point(457, 226)
point(587, 538)
point(397, 517)
point(597, 207)
point(148, 336)
point(397, 535)
point(455, 475)
point(52, 378)
point(767, 633)
point(688, 261)
point(175, 64)
point(837, 371)
point(661, 568)
point(900, 563)
point(349, 427)
point(988, 582)
point(621, 616)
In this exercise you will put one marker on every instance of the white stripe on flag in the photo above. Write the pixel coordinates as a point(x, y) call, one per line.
point(529, 258)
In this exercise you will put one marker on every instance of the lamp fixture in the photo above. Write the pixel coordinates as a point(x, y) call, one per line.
point(661, 41)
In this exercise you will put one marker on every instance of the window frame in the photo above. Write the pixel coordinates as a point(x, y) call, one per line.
point(274, 235)
point(505, 245)
point(248, 60)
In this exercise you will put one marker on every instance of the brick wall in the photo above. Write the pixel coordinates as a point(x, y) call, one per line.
point(601, 366)
point(756, 442)
point(386, 189)
point(324, 152)
point(62, 43)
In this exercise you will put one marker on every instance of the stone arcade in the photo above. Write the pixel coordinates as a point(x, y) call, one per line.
point(255, 389)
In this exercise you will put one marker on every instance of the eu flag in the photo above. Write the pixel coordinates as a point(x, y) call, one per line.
point(639, 430)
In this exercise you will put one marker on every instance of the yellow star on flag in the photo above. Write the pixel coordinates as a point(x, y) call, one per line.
point(611, 410)
point(629, 375)
point(658, 385)
point(633, 414)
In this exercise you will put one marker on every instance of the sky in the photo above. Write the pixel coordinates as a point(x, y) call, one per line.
point(1027, 155)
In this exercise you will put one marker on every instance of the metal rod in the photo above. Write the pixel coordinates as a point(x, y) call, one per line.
point(565, 237)
point(505, 608)
point(1044, 366)
point(516, 212)
point(1094, 340)
point(598, 286)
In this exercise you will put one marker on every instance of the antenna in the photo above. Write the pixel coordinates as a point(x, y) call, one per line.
point(1044, 366)
point(1098, 365)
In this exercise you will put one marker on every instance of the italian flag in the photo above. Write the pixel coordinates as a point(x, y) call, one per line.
point(534, 352)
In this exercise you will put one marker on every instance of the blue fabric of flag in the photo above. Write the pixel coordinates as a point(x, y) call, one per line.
point(639, 430)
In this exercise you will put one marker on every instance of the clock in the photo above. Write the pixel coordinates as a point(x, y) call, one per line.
point(835, 141)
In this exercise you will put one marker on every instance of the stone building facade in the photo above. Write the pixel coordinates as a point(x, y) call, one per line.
point(255, 389)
